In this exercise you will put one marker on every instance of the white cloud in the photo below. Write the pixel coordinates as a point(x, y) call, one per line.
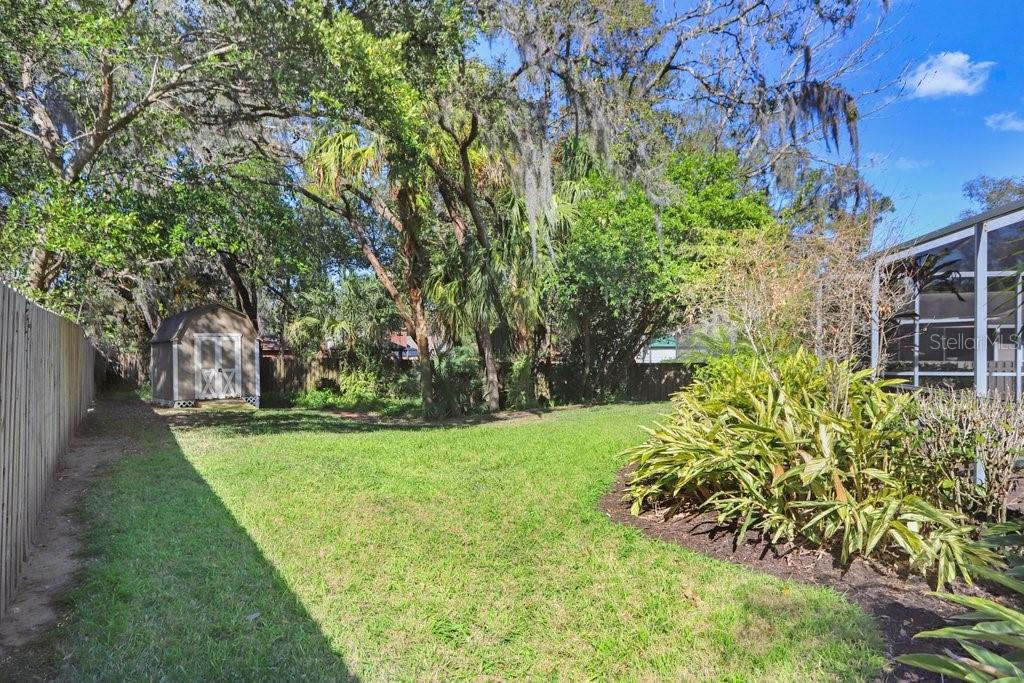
point(908, 164)
point(946, 74)
point(1006, 121)
point(881, 162)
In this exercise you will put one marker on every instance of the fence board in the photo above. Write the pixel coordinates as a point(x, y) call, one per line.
point(656, 381)
point(289, 375)
point(47, 381)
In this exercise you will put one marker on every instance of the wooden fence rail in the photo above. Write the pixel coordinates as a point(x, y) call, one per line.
point(47, 381)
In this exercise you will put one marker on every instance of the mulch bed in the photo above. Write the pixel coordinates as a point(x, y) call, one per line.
point(901, 605)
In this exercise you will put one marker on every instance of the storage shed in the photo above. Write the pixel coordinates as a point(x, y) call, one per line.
point(206, 353)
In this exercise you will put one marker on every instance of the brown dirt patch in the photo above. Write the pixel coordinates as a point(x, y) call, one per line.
point(901, 605)
point(55, 556)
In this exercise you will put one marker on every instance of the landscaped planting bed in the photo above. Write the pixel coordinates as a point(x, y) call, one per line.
point(813, 468)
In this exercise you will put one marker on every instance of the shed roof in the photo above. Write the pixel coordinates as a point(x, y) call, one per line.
point(174, 327)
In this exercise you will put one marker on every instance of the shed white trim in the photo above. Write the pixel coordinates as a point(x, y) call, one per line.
point(174, 369)
point(256, 359)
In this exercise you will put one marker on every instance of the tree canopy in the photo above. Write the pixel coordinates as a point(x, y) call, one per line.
point(536, 187)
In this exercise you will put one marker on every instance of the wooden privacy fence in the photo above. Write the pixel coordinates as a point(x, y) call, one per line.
point(47, 381)
point(656, 381)
point(645, 381)
point(296, 375)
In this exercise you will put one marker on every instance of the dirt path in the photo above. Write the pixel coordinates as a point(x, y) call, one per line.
point(55, 557)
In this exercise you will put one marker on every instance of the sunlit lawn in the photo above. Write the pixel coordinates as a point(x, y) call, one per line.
point(291, 545)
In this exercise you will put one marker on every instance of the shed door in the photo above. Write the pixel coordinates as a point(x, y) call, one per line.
point(230, 374)
point(218, 366)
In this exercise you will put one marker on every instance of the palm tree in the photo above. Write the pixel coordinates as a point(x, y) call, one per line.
point(352, 174)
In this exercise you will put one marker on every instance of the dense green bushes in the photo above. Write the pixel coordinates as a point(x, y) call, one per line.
point(807, 450)
point(458, 384)
point(458, 389)
point(357, 391)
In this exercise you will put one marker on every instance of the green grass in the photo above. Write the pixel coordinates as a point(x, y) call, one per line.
point(286, 545)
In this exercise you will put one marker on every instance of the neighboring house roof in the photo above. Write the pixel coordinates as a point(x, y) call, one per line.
point(270, 344)
point(662, 343)
point(961, 224)
point(174, 327)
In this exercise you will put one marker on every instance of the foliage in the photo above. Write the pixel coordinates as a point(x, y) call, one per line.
point(358, 391)
point(989, 193)
point(810, 286)
point(988, 624)
point(956, 429)
point(353, 317)
point(459, 384)
point(521, 383)
point(802, 449)
point(93, 231)
point(566, 196)
point(631, 77)
point(628, 270)
point(107, 93)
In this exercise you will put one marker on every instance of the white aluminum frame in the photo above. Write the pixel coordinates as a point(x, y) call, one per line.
point(981, 275)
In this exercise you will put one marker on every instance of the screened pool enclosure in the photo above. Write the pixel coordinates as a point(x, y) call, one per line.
point(960, 319)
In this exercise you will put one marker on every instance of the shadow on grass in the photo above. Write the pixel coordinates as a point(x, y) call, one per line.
point(176, 589)
point(247, 422)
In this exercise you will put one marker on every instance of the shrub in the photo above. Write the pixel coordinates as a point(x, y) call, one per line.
point(324, 399)
point(987, 622)
point(458, 386)
point(357, 391)
point(406, 384)
point(521, 382)
point(956, 428)
point(801, 449)
point(360, 387)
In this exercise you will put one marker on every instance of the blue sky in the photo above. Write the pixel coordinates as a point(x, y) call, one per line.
point(958, 114)
point(961, 112)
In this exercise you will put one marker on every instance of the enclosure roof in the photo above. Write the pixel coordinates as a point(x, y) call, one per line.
point(961, 224)
point(174, 327)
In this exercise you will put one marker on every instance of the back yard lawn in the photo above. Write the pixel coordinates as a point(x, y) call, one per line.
point(296, 545)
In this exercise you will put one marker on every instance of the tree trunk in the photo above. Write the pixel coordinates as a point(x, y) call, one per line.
point(542, 366)
point(422, 333)
point(492, 388)
point(588, 359)
point(416, 266)
point(38, 276)
point(244, 295)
